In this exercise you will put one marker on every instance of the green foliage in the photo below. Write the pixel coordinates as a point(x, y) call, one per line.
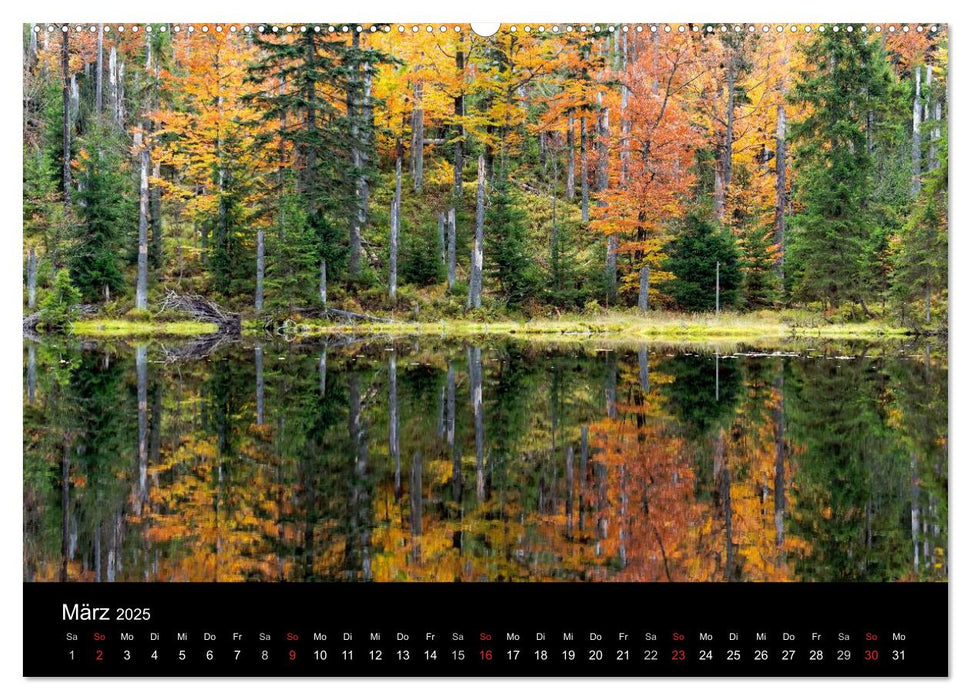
point(422, 260)
point(921, 258)
point(833, 232)
point(760, 282)
point(509, 261)
point(693, 257)
point(292, 258)
point(104, 216)
point(58, 308)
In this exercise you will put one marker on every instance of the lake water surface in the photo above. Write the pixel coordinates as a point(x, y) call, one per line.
point(425, 460)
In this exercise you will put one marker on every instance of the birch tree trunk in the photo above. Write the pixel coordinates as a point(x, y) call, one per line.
point(475, 273)
point(450, 405)
point(141, 286)
point(66, 118)
point(450, 254)
point(259, 271)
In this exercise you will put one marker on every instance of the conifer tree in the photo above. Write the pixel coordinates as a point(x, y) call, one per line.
point(510, 261)
point(104, 215)
point(843, 84)
point(699, 256)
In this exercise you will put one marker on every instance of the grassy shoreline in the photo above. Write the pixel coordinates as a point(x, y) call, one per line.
point(767, 325)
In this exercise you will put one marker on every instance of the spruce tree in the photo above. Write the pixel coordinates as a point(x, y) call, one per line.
point(296, 81)
point(699, 256)
point(292, 256)
point(510, 263)
point(833, 229)
point(104, 216)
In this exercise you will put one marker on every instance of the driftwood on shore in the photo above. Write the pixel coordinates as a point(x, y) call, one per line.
point(202, 309)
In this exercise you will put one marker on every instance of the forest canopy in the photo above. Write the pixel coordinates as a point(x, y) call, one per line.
point(281, 169)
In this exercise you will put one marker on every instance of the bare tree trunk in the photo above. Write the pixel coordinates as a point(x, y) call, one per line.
point(603, 130)
point(475, 273)
point(31, 279)
point(610, 268)
point(723, 167)
point(571, 165)
point(66, 114)
point(451, 248)
point(458, 158)
point(354, 255)
point(915, 151)
point(584, 452)
point(643, 297)
point(323, 283)
point(395, 224)
point(780, 188)
point(99, 73)
point(259, 271)
point(584, 173)
point(141, 287)
point(418, 137)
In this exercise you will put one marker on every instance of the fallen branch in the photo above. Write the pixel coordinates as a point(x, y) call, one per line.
point(340, 313)
point(202, 309)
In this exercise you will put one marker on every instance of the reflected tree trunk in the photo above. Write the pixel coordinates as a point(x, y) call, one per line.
point(475, 381)
point(414, 492)
point(360, 496)
point(723, 481)
point(610, 386)
point(644, 369)
point(141, 372)
point(65, 503)
point(393, 422)
point(259, 384)
point(31, 372)
point(569, 491)
point(323, 372)
point(584, 453)
point(778, 419)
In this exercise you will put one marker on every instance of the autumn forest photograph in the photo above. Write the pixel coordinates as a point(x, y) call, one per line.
point(642, 302)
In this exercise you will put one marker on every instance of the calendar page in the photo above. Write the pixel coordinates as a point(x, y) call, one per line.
point(548, 349)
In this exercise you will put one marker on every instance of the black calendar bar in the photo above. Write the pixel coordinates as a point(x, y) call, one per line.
point(554, 629)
